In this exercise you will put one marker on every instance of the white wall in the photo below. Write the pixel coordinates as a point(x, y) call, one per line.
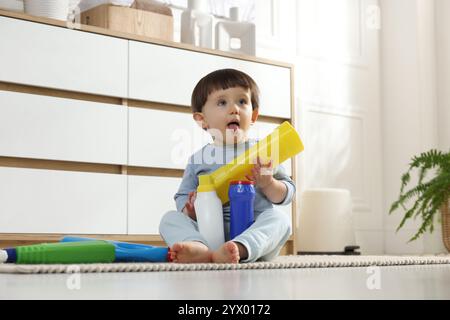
point(408, 114)
point(443, 71)
point(410, 108)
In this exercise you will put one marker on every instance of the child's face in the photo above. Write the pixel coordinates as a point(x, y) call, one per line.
point(228, 115)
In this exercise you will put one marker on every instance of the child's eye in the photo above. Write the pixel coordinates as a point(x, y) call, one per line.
point(243, 101)
point(221, 103)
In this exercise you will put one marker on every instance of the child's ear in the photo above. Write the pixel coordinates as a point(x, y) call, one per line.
point(200, 119)
point(254, 115)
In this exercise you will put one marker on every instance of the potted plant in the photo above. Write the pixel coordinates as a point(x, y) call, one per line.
point(431, 196)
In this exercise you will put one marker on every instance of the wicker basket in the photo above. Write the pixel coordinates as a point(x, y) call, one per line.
point(445, 210)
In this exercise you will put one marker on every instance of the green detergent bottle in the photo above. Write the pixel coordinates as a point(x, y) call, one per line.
point(62, 253)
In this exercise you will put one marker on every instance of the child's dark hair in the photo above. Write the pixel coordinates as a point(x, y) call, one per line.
point(223, 79)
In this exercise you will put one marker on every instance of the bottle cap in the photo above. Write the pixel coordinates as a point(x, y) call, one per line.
point(198, 5)
point(242, 182)
point(234, 13)
point(3, 256)
point(205, 184)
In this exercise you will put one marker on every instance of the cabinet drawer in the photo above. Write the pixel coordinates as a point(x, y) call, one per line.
point(163, 139)
point(46, 201)
point(33, 126)
point(149, 199)
point(169, 75)
point(49, 56)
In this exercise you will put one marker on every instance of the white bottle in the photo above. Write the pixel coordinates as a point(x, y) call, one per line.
point(208, 209)
point(236, 36)
point(196, 24)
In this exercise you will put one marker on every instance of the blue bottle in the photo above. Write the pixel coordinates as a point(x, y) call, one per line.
point(242, 197)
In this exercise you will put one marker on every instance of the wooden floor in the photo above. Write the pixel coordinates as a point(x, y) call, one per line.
point(408, 282)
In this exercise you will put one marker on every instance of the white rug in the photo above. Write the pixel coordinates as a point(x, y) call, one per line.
point(283, 262)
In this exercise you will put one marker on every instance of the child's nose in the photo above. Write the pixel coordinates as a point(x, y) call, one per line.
point(234, 109)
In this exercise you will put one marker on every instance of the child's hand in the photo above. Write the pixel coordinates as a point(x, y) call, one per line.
point(189, 207)
point(262, 174)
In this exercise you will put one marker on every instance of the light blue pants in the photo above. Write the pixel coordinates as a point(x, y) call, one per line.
point(263, 239)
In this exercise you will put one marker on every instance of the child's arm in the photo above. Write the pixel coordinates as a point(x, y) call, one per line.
point(185, 196)
point(189, 207)
point(275, 190)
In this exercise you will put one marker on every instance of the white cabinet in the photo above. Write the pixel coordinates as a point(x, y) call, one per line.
point(169, 75)
point(34, 126)
point(46, 201)
point(149, 199)
point(57, 197)
point(55, 57)
point(163, 139)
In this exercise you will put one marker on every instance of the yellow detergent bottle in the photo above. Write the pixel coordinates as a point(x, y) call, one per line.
point(283, 143)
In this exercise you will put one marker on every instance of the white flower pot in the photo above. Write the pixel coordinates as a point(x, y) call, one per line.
point(55, 9)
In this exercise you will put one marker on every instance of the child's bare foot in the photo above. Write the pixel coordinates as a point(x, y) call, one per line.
point(190, 252)
point(227, 253)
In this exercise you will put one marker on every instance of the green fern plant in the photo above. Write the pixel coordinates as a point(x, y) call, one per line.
point(429, 195)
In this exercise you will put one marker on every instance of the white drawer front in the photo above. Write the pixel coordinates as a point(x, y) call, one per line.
point(149, 199)
point(41, 127)
point(55, 57)
point(46, 201)
point(163, 139)
point(169, 75)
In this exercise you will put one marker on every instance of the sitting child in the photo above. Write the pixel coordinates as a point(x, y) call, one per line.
point(226, 103)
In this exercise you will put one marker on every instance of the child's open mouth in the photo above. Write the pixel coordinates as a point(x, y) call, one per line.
point(234, 125)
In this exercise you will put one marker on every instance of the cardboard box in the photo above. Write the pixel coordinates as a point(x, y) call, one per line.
point(155, 25)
